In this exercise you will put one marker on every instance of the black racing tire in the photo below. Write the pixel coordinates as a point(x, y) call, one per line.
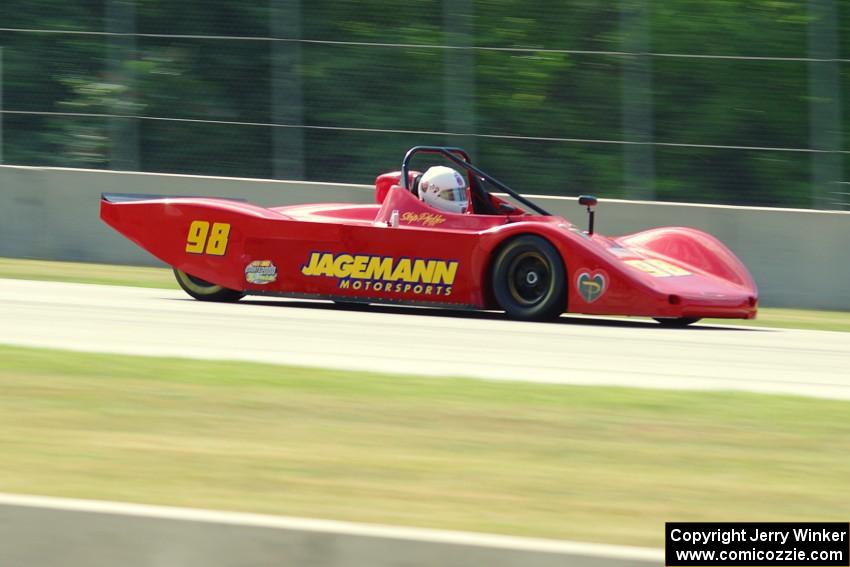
point(529, 279)
point(203, 290)
point(676, 323)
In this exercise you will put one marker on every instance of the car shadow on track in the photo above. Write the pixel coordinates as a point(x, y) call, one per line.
point(567, 319)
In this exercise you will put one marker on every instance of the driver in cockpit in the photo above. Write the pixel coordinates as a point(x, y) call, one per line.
point(445, 189)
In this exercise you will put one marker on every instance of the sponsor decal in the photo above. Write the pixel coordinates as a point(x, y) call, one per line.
point(591, 285)
point(261, 272)
point(425, 219)
point(657, 268)
point(386, 274)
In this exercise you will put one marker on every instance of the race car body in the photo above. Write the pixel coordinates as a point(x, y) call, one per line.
point(400, 250)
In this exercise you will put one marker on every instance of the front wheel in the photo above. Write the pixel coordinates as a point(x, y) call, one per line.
point(203, 290)
point(529, 279)
point(677, 323)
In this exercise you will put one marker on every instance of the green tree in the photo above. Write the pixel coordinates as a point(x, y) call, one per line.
point(538, 93)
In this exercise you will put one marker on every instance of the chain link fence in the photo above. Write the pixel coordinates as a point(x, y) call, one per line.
point(727, 102)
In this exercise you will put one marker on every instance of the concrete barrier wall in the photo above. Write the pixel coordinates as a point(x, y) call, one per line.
point(799, 258)
point(53, 213)
point(37, 531)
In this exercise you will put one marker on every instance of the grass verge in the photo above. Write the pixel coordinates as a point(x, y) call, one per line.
point(78, 272)
point(163, 278)
point(592, 464)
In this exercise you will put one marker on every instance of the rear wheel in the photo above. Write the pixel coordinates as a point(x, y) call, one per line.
point(678, 322)
point(203, 290)
point(529, 279)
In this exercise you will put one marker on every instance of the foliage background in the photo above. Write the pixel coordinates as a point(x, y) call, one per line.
point(572, 104)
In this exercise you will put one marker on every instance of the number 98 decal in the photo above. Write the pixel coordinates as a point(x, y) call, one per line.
point(203, 239)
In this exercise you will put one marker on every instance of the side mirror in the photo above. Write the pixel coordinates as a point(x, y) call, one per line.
point(588, 201)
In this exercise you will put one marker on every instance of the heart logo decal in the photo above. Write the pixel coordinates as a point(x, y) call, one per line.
point(591, 285)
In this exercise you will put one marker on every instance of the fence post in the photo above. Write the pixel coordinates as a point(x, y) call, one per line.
point(638, 127)
point(123, 132)
point(824, 105)
point(287, 93)
point(459, 74)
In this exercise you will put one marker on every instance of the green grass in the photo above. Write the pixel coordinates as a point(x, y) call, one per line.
point(592, 464)
point(78, 272)
point(163, 278)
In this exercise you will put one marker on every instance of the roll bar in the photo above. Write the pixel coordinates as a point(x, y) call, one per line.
point(461, 158)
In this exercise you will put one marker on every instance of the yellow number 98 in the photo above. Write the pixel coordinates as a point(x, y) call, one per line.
point(196, 239)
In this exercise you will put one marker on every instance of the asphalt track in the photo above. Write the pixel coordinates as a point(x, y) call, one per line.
point(423, 341)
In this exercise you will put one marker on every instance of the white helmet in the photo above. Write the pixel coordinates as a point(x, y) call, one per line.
point(444, 188)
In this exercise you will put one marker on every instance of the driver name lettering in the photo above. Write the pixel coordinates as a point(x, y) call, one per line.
point(363, 272)
point(425, 219)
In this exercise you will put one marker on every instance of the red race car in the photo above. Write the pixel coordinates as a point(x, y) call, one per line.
point(490, 253)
